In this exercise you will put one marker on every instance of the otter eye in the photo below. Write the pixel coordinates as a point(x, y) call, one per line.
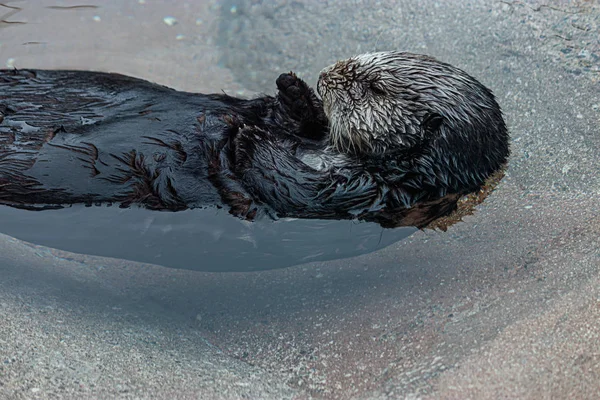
point(375, 88)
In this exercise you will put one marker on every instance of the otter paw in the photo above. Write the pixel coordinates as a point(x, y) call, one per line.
point(295, 94)
point(287, 81)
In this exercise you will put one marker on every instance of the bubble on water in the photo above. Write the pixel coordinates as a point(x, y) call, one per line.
point(170, 20)
point(179, 37)
point(96, 18)
point(10, 63)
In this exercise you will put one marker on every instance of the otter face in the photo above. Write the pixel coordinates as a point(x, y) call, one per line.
point(370, 104)
point(410, 106)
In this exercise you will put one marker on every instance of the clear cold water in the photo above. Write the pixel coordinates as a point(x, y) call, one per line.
point(198, 239)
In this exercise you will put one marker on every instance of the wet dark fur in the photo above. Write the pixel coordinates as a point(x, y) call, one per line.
point(83, 137)
point(435, 134)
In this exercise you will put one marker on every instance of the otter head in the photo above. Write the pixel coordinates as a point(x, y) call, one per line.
point(375, 103)
point(414, 107)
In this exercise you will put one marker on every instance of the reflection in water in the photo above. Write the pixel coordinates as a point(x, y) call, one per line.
point(203, 240)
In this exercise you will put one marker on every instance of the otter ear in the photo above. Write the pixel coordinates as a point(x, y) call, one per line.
point(432, 122)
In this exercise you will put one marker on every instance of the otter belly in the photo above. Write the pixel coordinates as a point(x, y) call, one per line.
point(70, 137)
point(199, 239)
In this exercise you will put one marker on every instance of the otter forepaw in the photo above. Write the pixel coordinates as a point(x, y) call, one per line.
point(301, 104)
point(296, 95)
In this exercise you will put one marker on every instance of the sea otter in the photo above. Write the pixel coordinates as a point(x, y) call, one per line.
point(408, 137)
point(397, 139)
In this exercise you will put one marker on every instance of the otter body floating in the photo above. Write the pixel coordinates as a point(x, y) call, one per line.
point(398, 140)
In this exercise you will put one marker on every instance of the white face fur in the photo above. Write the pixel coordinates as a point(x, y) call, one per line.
point(357, 99)
point(377, 102)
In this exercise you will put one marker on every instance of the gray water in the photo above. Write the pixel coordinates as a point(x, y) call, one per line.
point(197, 239)
point(503, 305)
